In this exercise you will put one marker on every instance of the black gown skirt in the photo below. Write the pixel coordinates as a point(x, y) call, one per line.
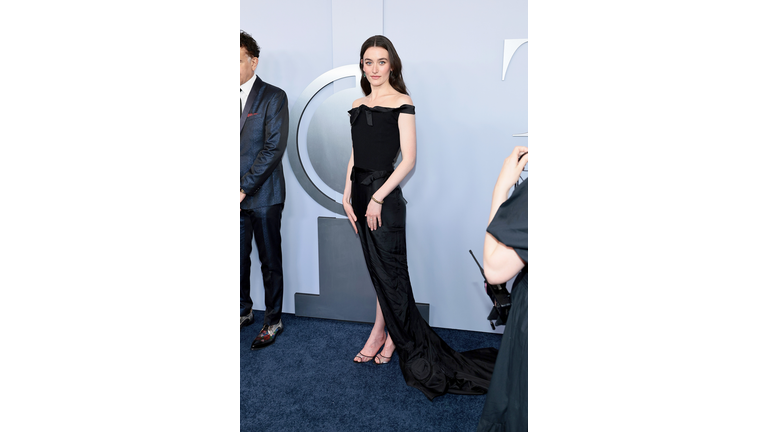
point(506, 406)
point(427, 362)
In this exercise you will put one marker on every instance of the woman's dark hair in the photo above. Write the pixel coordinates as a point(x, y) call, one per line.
point(396, 67)
point(249, 43)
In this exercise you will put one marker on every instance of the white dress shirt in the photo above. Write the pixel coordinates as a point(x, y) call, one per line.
point(245, 89)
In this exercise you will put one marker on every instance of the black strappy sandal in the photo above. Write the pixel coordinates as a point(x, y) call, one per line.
point(364, 358)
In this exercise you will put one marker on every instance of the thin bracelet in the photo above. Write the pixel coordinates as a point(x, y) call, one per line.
point(377, 201)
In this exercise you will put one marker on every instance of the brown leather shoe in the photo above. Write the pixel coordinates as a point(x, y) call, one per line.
point(267, 335)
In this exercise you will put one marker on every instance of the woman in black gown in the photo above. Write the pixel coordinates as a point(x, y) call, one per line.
point(383, 124)
point(505, 253)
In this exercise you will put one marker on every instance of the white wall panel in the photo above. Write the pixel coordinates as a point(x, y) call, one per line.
point(452, 53)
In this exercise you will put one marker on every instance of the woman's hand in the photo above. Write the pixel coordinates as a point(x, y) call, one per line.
point(511, 170)
point(347, 204)
point(373, 215)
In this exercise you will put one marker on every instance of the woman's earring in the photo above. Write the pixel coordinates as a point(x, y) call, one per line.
point(363, 74)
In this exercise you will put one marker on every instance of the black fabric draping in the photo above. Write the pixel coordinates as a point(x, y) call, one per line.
point(427, 362)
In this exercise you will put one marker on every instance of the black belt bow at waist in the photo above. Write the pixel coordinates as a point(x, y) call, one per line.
point(367, 176)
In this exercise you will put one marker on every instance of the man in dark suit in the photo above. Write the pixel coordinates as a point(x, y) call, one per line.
point(263, 139)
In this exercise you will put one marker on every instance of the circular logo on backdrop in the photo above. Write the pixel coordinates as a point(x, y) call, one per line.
point(319, 139)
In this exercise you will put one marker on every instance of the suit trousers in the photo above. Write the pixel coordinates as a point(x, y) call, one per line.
point(263, 225)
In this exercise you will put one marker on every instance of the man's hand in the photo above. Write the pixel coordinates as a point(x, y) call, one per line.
point(242, 196)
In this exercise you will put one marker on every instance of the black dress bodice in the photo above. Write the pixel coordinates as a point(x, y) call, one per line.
point(376, 147)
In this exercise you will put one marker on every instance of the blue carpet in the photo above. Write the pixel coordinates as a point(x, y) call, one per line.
point(307, 381)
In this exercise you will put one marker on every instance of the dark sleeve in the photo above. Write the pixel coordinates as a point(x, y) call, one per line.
point(275, 143)
point(510, 225)
point(407, 109)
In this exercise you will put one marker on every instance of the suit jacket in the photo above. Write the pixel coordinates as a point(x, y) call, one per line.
point(263, 140)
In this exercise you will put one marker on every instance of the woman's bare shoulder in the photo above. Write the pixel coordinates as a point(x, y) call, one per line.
point(358, 102)
point(404, 99)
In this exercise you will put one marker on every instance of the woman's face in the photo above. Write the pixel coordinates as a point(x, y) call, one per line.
point(376, 65)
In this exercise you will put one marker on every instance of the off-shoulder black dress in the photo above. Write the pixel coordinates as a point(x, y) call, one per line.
point(506, 406)
point(426, 361)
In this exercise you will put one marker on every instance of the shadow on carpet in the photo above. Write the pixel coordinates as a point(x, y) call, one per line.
point(307, 381)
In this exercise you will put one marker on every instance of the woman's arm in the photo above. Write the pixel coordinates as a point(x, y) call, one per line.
point(500, 261)
point(407, 125)
point(347, 199)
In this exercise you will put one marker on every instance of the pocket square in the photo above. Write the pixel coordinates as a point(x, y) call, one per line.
point(252, 114)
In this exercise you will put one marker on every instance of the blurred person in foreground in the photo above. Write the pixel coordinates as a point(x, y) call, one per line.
point(505, 254)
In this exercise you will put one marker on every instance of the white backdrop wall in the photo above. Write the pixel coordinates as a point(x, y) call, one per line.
point(466, 116)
